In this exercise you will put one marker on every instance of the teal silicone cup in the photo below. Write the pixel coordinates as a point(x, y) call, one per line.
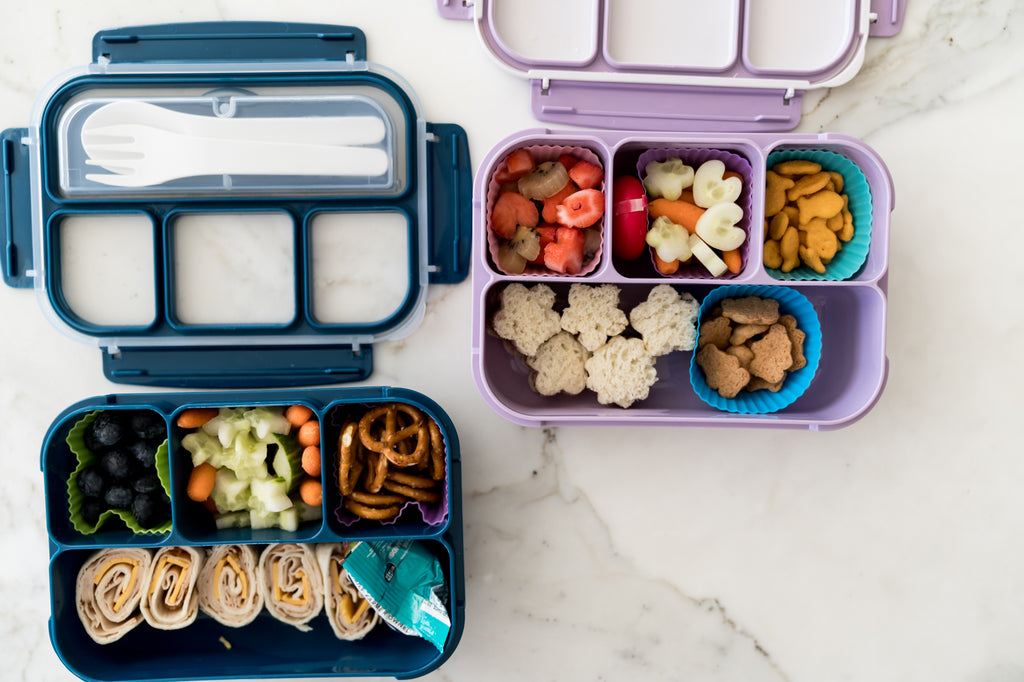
point(852, 254)
point(791, 302)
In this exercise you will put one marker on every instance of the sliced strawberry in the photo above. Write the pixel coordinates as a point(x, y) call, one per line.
point(547, 236)
point(581, 209)
point(586, 175)
point(565, 254)
point(550, 210)
point(510, 211)
point(568, 161)
point(520, 162)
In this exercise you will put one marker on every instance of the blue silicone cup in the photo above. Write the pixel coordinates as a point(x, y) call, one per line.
point(852, 254)
point(791, 302)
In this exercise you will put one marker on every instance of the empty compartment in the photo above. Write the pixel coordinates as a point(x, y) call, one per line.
point(539, 32)
point(361, 266)
point(253, 461)
point(850, 376)
point(266, 647)
point(691, 34)
point(402, 490)
point(232, 269)
point(106, 477)
point(106, 269)
point(164, 141)
point(797, 36)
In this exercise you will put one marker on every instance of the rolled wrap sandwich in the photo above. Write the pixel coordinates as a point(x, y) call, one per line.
point(109, 590)
point(350, 615)
point(171, 599)
point(229, 589)
point(290, 581)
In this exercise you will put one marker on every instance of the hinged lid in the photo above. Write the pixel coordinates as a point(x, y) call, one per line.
point(680, 65)
point(234, 204)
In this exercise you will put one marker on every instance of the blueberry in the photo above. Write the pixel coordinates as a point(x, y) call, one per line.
point(147, 483)
point(118, 497)
point(91, 509)
point(144, 453)
point(104, 432)
point(91, 482)
point(117, 464)
point(148, 426)
point(148, 511)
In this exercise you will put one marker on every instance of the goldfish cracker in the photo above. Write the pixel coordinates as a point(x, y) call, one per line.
point(775, 193)
point(777, 226)
point(821, 240)
point(808, 184)
point(789, 248)
point(772, 254)
point(823, 204)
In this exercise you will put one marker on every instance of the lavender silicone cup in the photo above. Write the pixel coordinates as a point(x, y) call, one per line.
point(695, 157)
point(432, 514)
point(791, 302)
point(852, 254)
point(541, 154)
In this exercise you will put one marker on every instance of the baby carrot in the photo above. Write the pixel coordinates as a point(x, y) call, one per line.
point(733, 260)
point(195, 417)
point(311, 460)
point(309, 433)
point(297, 415)
point(665, 267)
point(680, 212)
point(311, 491)
point(200, 482)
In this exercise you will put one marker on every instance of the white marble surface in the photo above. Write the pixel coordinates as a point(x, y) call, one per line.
point(884, 551)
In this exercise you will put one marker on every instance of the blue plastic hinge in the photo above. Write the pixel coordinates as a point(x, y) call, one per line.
point(238, 366)
point(450, 202)
point(16, 210)
point(230, 41)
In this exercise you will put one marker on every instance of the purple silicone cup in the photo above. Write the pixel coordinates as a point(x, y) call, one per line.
point(694, 157)
point(541, 154)
point(412, 511)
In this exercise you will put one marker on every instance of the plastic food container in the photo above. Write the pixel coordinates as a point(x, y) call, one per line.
point(234, 204)
point(727, 80)
point(265, 647)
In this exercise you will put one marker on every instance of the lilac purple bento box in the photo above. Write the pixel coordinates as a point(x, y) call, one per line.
point(729, 78)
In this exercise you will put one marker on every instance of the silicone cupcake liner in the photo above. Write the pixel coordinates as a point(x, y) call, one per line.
point(85, 457)
point(542, 154)
point(852, 254)
point(432, 515)
point(791, 302)
point(695, 157)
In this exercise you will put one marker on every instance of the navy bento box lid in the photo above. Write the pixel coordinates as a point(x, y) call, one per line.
point(202, 645)
point(234, 204)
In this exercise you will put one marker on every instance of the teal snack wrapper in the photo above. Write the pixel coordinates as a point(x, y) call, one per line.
point(403, 582)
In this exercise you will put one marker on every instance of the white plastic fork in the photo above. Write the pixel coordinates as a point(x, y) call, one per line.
point(142, 156)
point(329, 130)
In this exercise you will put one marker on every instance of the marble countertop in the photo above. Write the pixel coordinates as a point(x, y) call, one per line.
point(881, 551)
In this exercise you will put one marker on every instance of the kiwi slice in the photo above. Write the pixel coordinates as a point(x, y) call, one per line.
point(546, 180)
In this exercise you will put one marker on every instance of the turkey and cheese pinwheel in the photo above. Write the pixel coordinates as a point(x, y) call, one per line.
point(350, 615)
point(109, 589)
point(229, 590)
point(171, 598)
point(290, 580)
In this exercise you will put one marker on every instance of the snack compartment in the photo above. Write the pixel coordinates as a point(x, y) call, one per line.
point(848, 381)
point(266, 647)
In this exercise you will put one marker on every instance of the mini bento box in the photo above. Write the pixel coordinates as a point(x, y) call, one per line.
point(248, 575)
point(595, 249)
point(232, 204)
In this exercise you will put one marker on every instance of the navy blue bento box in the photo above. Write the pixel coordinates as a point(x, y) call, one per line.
point(265, 646)
point(244, 206)
point(234, 204)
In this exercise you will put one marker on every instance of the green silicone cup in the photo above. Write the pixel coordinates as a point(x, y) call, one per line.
point(85, 457)
point(851, 257)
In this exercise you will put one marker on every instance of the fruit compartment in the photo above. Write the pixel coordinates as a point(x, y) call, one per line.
point(179, 142)
point(739, 39)
point(425, 506)
point(193, 271)
point(850, 376)
point(501, 214)
point(265, 647)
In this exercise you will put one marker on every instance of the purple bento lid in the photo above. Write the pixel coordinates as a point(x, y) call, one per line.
point(721, 67)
